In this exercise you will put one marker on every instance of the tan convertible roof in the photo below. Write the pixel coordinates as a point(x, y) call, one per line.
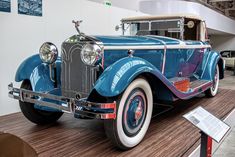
point(159, 17)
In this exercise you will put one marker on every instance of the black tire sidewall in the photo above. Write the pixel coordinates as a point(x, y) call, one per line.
point(35, 115)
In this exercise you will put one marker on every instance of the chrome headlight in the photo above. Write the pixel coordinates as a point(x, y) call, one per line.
point(48, 53)
point(90, 54)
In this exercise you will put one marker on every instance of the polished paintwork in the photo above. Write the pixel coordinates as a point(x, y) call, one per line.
point(126, 41)
point(112, 56)
point(143, 40)
point(26, 67)
point(193, 63)
point(127, 69)
point(38, 73)
point(120, 70)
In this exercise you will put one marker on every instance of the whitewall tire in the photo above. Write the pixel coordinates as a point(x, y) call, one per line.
point(134, 112)
point(212, 91)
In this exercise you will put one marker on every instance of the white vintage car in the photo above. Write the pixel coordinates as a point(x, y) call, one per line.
point(229, 58)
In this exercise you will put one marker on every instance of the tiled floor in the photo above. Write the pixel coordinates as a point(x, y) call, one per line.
point(229, 81)
point(227, 148)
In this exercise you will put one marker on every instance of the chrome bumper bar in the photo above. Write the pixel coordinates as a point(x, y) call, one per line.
point(70, 105)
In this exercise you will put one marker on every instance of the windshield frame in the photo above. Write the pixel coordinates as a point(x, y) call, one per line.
point(181, 20)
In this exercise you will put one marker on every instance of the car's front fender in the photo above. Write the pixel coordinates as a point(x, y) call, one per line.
point(119, 75)
point(38, 73)
point(26, 67)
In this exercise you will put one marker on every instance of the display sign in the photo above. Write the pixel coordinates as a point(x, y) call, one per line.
point(108, 3)
point(207, 123)
point(30, 7)
point(5, 5)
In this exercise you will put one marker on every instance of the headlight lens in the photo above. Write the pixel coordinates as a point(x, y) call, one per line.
point(90, 54)
point(48, 52)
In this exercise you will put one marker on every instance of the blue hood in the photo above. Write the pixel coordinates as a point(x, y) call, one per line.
point(136, 40)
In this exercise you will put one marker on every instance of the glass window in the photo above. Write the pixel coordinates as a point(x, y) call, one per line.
point(166, 25)
point(225, 54)
point(232, 53)
point(134, 28)
point(169, 28)
point(166, 28)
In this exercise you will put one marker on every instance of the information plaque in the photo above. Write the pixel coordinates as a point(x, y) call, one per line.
point(207, 123)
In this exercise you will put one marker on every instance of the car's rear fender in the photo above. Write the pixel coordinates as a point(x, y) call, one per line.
point(212, 60)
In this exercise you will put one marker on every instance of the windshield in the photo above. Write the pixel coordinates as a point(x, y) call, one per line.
point(169, 28)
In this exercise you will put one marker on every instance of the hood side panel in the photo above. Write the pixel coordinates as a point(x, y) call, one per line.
point(128, 40)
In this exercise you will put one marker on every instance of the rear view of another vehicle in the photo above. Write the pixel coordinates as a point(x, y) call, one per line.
point(229, 58)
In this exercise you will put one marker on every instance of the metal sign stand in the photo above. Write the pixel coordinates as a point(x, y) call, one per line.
point(211, 128)
point(206, 145)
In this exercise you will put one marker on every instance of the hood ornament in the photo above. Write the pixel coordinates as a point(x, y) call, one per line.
point(77, 24)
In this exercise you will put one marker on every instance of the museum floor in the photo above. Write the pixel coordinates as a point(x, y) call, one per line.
point(169, 134)
point(229, 81)
point(227, 148)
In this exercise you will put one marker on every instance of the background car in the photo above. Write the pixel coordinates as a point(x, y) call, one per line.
point(229, 57)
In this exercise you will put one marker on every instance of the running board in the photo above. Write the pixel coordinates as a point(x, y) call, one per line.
point(198, 83)
point(183, 84)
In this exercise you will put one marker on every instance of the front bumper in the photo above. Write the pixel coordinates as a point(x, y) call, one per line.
point(70, 105)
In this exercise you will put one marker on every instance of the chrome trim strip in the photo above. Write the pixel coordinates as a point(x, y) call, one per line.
point(69, 105)
point(164, 60)
point(164, 37)
point(26, 98)
point(204, 84)
point(157, 47)
point(133, 47)
point(182, 28)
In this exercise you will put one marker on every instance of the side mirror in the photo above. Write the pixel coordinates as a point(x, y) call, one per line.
point(190, 24)
point(117, 27)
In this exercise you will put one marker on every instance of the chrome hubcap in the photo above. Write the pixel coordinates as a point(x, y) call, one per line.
point(134, 112)
point(138, 112)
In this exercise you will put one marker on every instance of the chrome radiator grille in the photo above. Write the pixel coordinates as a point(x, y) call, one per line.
point(76, 77)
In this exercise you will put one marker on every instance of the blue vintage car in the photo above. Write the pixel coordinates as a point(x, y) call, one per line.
point(119, 78)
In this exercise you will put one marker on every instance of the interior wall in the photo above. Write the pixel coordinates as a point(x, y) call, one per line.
point(22, 35)
point(222, 42)
point(130, 4)
point(214, 20)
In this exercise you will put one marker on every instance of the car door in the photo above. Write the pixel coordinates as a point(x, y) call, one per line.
point(183, 62)
point(172, 63)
